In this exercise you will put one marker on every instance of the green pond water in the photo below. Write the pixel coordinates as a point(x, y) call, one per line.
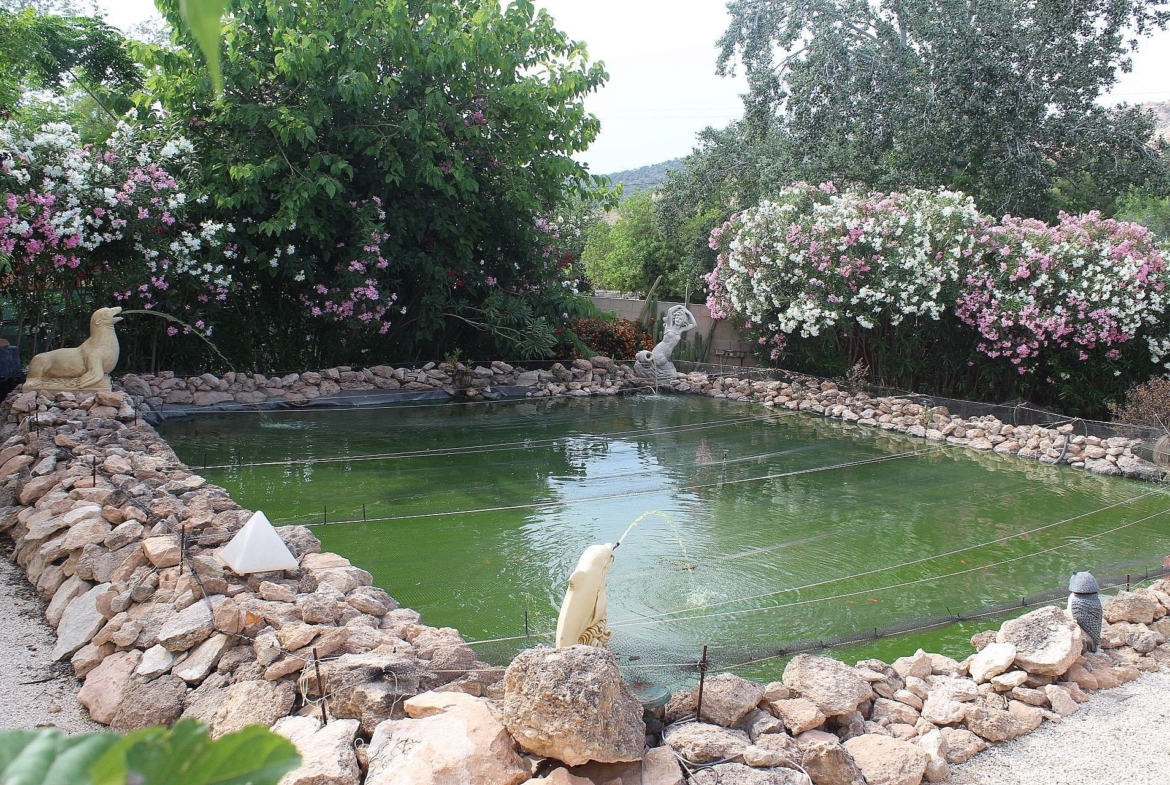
point(757, 528)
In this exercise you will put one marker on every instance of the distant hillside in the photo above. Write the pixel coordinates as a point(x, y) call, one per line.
point(644, 177)
point(1162, 110)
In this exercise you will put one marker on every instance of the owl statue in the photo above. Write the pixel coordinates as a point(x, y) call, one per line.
point(1085, 607)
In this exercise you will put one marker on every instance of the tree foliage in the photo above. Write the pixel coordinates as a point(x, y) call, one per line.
point(997, 99)
point(634, 252)
point(386, 164)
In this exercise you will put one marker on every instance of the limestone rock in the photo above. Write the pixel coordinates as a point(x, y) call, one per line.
point(158, 702)
point(962, 744)
point(827, 761)
point(428, 704)
point(251, 703)
point(832, 685)
point(942, 710)
point(327, 753)
point(371, 687)
point(702, 742)
point(919, 665)
point(992, 660)
point(727, 698)
point(189, 627)
point(934, 744)
point(201, 659)
point(1047, 640)
point(756, 723)
point(464, 744)
point(887, 761)
point(798, 714)
point(658, 766)
point(895, 712)
point(1060, 701)
point(572, 704)
point(999, 725)
point(79, 623)
point(1139, 607)
point(155, 661)
point(739, 774)
point(105, 685)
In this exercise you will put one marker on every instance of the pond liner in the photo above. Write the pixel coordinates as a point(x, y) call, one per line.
point(345, 399)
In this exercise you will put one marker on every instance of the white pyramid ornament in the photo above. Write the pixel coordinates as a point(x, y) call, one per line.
point(257, 548)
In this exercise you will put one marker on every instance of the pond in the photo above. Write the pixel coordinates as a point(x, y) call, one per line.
point(755, 528)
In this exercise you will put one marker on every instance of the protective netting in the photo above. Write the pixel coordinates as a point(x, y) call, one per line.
point(762, 533)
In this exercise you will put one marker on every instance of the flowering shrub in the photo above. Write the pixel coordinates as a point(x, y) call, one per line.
point(813, 260)
point(1085, 284)
point(935, 297)
point(618, 339)
point(357, 291)
point(90, 224)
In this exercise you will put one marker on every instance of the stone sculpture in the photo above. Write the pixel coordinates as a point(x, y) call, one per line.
point(583, 612)
point(656, 364)
point(1085, 607)
point(79, 368)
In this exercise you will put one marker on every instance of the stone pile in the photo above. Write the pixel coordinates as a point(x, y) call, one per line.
point(1116, 455)
point(119, 538)
point(597, 376)
point(905, 722)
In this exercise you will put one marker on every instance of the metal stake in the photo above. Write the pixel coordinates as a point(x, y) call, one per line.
point(702, 678)
point(320, 686)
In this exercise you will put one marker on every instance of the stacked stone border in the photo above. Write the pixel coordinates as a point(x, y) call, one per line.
point(118, 536)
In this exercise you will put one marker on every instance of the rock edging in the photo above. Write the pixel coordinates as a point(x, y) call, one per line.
point(119, 536)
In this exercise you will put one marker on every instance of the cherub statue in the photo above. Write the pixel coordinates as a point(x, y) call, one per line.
point(656, 364)
point(583, 612)
point(79, 368)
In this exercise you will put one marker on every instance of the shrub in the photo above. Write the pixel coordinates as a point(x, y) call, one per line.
point(619, 339)
point(1145, 404)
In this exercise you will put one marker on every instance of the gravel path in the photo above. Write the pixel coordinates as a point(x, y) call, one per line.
point(1121, 737)
point(33, 692)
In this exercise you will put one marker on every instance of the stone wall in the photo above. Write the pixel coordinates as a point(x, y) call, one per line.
point(119, 537)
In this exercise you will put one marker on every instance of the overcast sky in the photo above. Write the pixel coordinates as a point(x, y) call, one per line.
point(662, 89)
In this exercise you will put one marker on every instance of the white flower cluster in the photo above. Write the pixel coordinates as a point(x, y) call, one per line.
point(813, 258)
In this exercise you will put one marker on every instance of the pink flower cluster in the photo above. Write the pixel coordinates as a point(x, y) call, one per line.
point(814, 260)
point(1086, 283)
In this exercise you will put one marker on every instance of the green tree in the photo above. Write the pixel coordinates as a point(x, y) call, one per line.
point(632, 254)
point(997, 99)
point(385, 163)
point(80, 58)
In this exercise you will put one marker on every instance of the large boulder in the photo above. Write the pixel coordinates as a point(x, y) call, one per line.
point(252, 703)
point(992, 660)
point(887, 761)
point(827, 761)
point(832, 685)
point(158, 702)
point(1047, 640)
point(999, 725)
point(701, 742)
point(327, 753)
point(79, 623)
point(187, 628)
point(463, 744)
point(371, 687)
point(727, 698)
point(798, 714)
point(105, 686)
point(571, 704)
point(1139, 607)
point(962, 744)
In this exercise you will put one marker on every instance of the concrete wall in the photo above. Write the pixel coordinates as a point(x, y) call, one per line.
point(728, 347)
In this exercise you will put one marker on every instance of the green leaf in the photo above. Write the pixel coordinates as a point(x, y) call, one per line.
point(202, 18)
point(184, 754)
point(49, 757)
